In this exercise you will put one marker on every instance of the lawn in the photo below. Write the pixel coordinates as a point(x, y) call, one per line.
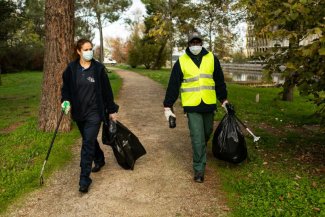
point(22, 146)
point(284, 174)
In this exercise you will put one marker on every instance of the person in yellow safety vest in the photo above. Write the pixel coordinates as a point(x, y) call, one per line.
point(197, 74)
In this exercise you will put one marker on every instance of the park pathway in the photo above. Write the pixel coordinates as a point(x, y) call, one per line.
point(161, 183)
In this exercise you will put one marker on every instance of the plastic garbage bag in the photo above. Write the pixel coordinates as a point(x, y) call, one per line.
point(126, 146)
point(108, 132)
point(228, 141)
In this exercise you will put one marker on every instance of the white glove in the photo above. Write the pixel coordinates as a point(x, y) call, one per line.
point(65, 107)
point(113, 116)
point(168, 113)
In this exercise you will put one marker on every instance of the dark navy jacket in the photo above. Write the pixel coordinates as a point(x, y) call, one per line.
point(104, 94)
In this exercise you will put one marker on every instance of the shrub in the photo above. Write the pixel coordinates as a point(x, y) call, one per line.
point(20, 58)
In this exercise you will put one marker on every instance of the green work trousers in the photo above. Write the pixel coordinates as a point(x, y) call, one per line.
point(201, 127)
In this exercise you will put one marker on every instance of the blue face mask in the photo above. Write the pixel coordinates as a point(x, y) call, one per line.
point(87, 55)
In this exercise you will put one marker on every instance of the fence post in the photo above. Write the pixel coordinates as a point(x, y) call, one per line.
point(257, 98)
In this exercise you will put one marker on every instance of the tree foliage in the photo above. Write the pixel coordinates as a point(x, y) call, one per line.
point(134, 50)
point(10, 20)
point(99, 13)
point(22, 35)
point(83, 29)
point(34, 10)
point(119, 49)
point(302, 22)
point(215, 20)
point(167, 24)
point(223, 44)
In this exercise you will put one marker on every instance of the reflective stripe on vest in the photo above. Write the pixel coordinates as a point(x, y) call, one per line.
point(198, 83)
point(197, 78)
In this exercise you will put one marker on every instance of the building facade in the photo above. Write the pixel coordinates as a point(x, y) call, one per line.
point(259, 44)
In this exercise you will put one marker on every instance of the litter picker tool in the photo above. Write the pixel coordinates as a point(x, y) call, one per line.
point(50, 148)
point(256, 138)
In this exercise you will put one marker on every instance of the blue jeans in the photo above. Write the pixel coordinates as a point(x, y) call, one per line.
point(90, 150)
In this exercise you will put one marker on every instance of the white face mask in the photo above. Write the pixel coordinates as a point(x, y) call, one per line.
point(195, 49)
point(87, 55)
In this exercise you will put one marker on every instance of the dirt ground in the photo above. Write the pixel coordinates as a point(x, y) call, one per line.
point(161, 183)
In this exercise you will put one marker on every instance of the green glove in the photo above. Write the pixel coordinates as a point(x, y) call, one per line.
point(65, 107)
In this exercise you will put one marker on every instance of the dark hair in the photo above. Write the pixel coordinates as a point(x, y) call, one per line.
point(79, 44)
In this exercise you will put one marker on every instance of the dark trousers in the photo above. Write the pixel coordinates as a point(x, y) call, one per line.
point(201, 127)
point(90, 150)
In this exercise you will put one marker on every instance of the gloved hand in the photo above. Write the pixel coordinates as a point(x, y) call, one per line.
point(65, 107)
point(113, 116)
point(168, 113)
point(228, 107)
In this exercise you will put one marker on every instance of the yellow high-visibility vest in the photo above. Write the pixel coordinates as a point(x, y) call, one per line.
point(198, 83)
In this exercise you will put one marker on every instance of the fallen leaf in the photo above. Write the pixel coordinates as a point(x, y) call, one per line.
point(297, 177)
point(225, 208)
point(265, 163)
point(314, 184)
point(316, 209)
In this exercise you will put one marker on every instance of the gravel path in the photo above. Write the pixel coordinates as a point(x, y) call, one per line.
point(161, 183)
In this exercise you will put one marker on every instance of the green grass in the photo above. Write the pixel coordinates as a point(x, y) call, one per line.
point(19, 97)
point(22, 153)
point(22, 146)
point(284, 175)
point(270, 108)
point(116, 83)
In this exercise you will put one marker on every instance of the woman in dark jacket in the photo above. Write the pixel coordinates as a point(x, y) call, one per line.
point(87, 90)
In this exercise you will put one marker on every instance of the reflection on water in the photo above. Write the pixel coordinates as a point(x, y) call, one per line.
point(248, 73)
point(246, 77)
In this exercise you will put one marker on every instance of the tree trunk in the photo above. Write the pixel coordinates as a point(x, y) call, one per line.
point(59, 33)
point(157, 64)
point(171, 33)
point(101, 45)
point(290, 79)
point(101, 39)
point(210, 36)
point(288, 88)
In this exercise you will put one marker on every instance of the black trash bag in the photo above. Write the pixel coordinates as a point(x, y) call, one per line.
point(126, 146)
point(108, 132)
point(228, 142)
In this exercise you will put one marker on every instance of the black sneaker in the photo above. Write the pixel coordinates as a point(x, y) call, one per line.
point(97, 167)
point(84, 188)
point(199, 177)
